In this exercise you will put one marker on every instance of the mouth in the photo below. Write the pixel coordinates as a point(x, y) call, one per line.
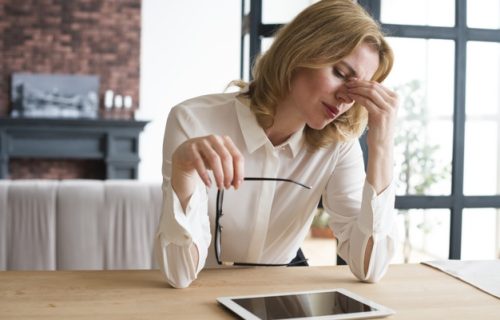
point(331, 111)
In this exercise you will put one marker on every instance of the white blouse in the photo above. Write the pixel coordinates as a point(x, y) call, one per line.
point(267, 221)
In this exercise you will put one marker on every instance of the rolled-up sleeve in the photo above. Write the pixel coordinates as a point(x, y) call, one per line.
point(179, 229)
point(358, 213)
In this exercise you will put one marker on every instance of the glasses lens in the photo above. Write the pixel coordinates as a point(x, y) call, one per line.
point(217, 243)
point(220, 199)
point(218, 227)
point(218, 215)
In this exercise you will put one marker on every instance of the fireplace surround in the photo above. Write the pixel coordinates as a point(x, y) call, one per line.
point(114, 142)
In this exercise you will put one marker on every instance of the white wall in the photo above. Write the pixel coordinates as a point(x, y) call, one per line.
point(188, 48)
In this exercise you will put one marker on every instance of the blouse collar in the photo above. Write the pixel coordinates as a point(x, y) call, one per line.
point(255, 137)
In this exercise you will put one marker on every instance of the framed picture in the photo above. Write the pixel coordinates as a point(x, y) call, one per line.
point(54, 95)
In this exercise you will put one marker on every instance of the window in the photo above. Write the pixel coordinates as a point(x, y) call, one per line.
point(482, 109)
point(447, 73)
point(423, 12)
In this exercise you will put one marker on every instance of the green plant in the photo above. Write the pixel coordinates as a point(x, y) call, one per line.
point(320, 219)
point(419, 167)
point(319, 226)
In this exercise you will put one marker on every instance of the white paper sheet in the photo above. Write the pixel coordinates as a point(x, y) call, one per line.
point(482, 274)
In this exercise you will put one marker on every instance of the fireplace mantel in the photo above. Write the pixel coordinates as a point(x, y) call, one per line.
point(116, 142)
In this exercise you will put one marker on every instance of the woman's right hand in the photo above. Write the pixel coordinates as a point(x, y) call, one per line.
point(198, 156)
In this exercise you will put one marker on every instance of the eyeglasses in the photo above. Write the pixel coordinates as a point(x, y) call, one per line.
point(218, 227)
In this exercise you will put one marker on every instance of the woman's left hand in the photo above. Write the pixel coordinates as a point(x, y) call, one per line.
point(382, 105)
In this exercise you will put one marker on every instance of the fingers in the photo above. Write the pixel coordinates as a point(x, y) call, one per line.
point(374, 96)
point(209, 151)
point(215, 153)
point(238, 162)
point(199, 165)
point(381, 104)
point(227, 164)
point(355, 83)
point(220, 161)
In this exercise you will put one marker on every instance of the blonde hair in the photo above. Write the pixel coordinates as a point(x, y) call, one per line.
point(319, 36)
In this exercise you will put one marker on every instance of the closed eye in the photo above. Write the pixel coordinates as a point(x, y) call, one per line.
point(339, 74)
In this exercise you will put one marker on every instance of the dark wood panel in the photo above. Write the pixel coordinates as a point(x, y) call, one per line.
point(115, 142)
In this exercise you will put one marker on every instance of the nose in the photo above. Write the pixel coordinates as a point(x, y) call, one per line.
point(342, 96)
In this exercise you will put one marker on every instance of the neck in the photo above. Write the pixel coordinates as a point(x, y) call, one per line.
point(277, 137)
point(283, 128)
point(286, 123)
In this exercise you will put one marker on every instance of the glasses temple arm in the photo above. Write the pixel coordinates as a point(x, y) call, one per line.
point(276, 179)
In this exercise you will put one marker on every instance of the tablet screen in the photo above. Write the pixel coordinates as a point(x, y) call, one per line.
point(337, 304)
point(302, 305)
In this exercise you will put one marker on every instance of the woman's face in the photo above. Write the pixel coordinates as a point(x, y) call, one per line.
point(319, 96)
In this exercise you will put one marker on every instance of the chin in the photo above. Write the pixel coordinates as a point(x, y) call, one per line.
point(319, 125)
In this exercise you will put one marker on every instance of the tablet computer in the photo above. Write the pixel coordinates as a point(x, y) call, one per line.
point(322, 304)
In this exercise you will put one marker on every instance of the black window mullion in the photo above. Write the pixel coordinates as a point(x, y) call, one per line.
point(481, 201)
point(428, 32)
point(255, 31)
point(423, 202)
point(244, 31)
point(457, 183)
point(268, 30)
point(372, 6)
point(483, 35)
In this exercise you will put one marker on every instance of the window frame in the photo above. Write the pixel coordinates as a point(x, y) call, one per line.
point(461, 34)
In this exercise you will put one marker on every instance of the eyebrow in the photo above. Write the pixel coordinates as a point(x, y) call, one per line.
point(352, 72)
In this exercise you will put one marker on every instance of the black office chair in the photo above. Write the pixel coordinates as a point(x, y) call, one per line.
point(299, 260)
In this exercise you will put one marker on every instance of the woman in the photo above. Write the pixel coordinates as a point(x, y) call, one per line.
point(315, 91)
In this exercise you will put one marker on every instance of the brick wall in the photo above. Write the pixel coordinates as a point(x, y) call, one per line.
point(55, 169)
point(99, 37)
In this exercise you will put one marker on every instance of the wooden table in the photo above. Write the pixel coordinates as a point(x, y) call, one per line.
point(413, 291)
